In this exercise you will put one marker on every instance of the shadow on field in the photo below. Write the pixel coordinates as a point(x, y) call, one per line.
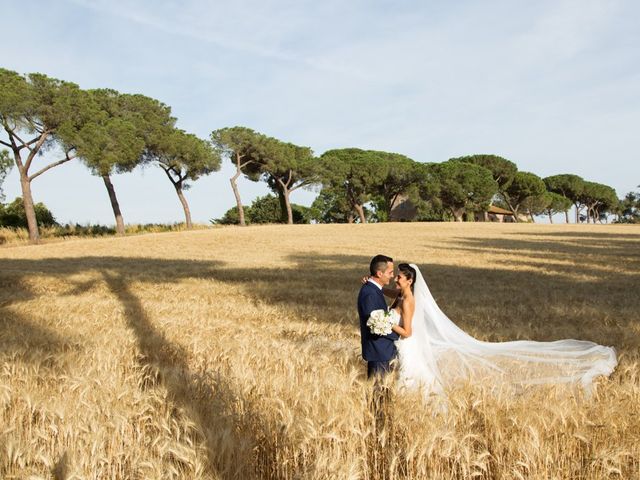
point(585, 285)
point(586, 235)
point(208, 401)
point(528, 304)
point(614, 249)
point(207, 398)
point(25, 338)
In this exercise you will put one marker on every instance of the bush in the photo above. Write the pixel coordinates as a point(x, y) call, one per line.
point(230, 217)
point(13, 215)
point(265, 209)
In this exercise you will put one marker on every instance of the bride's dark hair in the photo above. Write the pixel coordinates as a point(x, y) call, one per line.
point(409, 272)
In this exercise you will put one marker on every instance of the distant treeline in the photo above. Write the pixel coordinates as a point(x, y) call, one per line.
point(111, 132)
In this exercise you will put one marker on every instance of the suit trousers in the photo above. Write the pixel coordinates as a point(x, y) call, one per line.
point(378, 369)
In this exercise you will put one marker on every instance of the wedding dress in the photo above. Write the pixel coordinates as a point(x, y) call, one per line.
point(438, 354)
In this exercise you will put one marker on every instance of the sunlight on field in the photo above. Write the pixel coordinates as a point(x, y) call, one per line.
point(234, 353)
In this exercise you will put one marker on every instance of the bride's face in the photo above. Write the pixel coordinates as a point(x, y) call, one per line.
point(402, 281)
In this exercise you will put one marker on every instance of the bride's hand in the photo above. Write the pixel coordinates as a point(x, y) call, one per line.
point(365, 279)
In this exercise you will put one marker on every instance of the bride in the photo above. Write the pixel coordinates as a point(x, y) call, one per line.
point(434, 353)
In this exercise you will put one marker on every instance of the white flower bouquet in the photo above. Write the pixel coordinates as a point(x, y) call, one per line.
point(380, 322)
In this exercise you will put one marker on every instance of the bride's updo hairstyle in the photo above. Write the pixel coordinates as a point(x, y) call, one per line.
point(409, 273)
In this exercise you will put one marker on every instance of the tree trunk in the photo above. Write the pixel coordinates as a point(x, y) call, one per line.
point(185, 206)
point(350, 218)
point(360, 210)
point(591, 215)
point(533, 220)
point(34, 146)
point(236, 193)
point(457, 213)
point(287, 204)
point(513, 210)
point(114, 204)
point(577, 213)
point(29, 210)
point(390, 202)
point(550, 216)
point(566, 215)
point(283, 206)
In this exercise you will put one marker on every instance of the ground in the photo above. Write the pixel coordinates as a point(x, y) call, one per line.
point(234, 353)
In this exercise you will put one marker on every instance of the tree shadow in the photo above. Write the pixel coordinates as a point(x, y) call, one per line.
point(24, 338)
point(492, 293)
point(323, 288)
point(578, 249)
point(230, 435)
point(207, 403)
point(586, 235)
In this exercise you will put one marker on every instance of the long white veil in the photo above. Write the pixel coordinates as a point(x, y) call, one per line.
point(438, 353)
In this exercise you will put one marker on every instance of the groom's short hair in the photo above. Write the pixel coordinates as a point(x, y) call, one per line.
point(379, 264)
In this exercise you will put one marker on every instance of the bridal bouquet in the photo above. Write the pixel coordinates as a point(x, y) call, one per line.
point(380, 322)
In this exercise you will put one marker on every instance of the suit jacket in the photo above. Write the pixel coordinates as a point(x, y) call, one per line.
point(375, 348)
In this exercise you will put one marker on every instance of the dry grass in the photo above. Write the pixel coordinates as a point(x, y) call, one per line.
point(20, 236)
point(234, 353)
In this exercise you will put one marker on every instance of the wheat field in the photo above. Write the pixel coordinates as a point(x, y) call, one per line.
point(234, 353)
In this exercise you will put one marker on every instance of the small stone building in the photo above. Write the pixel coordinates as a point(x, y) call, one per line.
point(402, 210)
point(495, 214)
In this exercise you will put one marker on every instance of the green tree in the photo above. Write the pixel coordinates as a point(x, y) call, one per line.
point(124, 131)
point(630, 208)
point(598, 199)
point(5, 167)
point(331, 206)
point(110, 143)
point(502, 170)
point(464, 186)
point(35, 111)
point(242, 147)
point(401, 176)
point(358, 173)
point(610, 205)
point(286, 167)
point(429, 206)
point(230, 217)
point(266, 209)
point(184, 158)
point(14, 215)
point(523, 186)
point(569, 186)
point(536, 205)
point(557, 204)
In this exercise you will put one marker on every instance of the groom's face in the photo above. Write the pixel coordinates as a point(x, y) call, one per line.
point(387, 274)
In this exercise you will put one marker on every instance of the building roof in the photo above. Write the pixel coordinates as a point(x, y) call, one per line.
point(498, 210)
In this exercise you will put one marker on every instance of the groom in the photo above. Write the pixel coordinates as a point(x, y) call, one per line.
point(377, 350)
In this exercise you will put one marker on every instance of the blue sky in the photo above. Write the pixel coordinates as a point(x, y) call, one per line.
point(551, 85)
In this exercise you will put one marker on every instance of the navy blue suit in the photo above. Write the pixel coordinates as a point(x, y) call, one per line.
point(377, 350)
